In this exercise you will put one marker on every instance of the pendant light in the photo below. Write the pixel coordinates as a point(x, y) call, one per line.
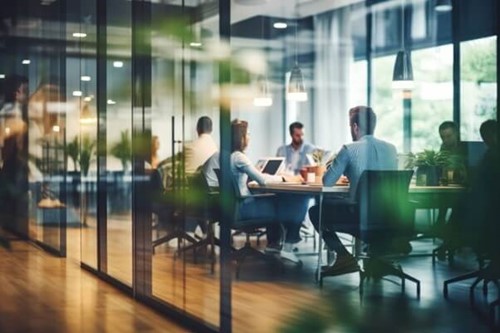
point(87, 117)
point(296, 90)
point(402, 77)
point(443, 6)
point(264, 98)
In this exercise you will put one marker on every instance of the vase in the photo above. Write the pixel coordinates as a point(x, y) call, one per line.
point(428, 175)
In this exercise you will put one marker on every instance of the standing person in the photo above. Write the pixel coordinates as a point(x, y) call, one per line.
point(283, 211)
point(365, 153)
point(14, 172)
point(199, 151)
point(296, 152)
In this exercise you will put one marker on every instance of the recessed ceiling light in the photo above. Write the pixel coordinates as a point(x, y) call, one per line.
point(77, 93)
point(26, 62)
point(85, 78)
point(280, 25)
point(87, 99)
point(2, 76)
point(195, 44)
point(118, 64)
point(79, 34)
point(111, 102)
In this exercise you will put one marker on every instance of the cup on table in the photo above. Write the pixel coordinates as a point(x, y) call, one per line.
point(311, 177)
point(303, 173)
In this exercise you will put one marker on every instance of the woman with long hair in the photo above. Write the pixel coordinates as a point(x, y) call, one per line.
point(283, 210)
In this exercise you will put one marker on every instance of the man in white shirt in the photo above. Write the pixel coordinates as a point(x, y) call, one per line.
point(199, 151)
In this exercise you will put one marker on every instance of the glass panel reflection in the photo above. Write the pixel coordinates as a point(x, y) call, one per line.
point(118, 141)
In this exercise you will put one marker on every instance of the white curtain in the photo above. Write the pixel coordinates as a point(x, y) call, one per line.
point(334, 55)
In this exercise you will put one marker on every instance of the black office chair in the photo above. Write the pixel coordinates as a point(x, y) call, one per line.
point(248, 226)
point(168, 206)
point(202, 204)
point(386, 224)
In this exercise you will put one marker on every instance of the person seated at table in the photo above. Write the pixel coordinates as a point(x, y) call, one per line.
point(288, 210)
point(470, 217)
point(295, 153)
point(450, 143)
point(365, 153)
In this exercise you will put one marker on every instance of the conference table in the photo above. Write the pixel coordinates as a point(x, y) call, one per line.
point(425, 197)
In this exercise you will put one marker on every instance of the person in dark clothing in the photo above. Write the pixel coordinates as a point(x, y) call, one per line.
point(13, 128)
point(473, 220)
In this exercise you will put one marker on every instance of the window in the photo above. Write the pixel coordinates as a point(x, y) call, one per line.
point(478, 75)
point(432, 97)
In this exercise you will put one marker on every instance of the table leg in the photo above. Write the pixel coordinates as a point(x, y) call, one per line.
point(320, 233)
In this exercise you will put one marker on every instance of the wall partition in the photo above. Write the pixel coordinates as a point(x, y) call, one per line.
point(127, 100)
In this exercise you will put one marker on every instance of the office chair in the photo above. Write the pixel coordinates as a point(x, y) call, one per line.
point(202, 204)
point(248, 226)
point(386, 224)
point(167, 205)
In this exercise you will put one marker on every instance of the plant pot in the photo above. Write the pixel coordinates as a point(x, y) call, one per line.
point(428, 175)
point(320, 171)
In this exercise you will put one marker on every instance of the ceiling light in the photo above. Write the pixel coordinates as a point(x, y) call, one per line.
point(56, 129)
point(195, 44)
point(85, 78)
point(280, 25)
point(443, 6)
point(26, 62)
point(264, 99)
point(87, 98)
point(402, 75)
point(79, 34)
point(87, 116)
point(77, 93)
point(118, 64)
point(2, 76)
point(111, 102)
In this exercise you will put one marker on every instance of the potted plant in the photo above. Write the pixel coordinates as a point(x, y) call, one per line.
point(87, 151)
point(429, 165)
point(320, 168)
point(120, 190)
point(122, 149)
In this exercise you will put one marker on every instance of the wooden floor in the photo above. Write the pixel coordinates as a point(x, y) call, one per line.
point(41, 293)
point(264, 299)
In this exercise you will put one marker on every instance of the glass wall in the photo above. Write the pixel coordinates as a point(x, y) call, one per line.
point(119, 139)
point(119, 93)
point(478, 75)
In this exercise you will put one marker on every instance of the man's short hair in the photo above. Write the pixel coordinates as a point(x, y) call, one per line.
point(448, 124)
point(488, 130)
point(295, 125)
point(204, 125)
point(364, 117)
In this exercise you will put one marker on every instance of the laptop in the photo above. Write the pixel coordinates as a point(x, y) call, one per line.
point(270, 165)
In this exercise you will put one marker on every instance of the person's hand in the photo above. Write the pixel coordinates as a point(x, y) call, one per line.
point(292, 179)
point(343, 180)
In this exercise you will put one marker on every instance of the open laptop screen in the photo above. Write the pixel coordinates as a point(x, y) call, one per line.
point(272, 166)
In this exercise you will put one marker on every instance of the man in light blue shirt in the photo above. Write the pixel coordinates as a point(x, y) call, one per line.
point(365, 153)
point(296, 152)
